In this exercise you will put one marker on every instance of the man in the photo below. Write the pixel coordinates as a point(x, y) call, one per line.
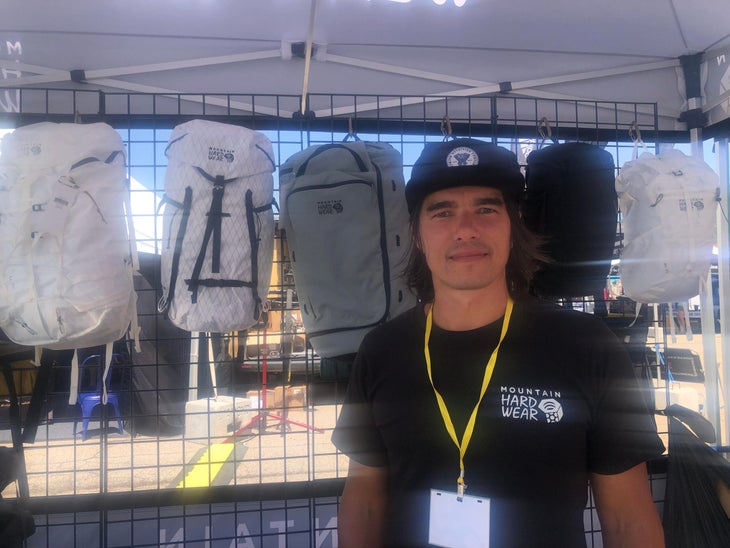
point(478, 417)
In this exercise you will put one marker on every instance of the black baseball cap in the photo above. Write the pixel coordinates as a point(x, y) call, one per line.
point(464, 162)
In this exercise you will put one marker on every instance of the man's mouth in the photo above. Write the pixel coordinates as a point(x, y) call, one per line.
point(468, 255)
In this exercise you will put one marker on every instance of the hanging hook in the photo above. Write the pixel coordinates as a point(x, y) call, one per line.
point(544, 131)
point(635, 133)
point(635, 136)
point(350, 131)
point(446, 129)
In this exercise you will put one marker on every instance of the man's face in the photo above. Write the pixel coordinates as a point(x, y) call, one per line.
point(465, 237)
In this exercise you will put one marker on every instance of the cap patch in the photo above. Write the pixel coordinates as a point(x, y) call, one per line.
point(462, 156)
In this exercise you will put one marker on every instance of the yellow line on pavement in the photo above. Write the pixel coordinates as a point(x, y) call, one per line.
point(208, 465)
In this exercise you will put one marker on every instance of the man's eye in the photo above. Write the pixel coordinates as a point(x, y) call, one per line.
point(486, 210)
point(442, 214)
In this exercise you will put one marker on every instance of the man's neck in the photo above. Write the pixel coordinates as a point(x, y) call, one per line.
point(464, 310)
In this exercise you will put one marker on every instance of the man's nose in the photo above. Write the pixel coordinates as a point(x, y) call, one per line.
point(466, 228)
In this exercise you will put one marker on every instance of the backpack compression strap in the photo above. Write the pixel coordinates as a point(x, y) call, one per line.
point(175, 269)
point(254, 237)
point(212, 228)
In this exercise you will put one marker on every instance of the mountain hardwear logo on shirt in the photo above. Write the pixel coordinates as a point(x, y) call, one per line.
point(531, 404)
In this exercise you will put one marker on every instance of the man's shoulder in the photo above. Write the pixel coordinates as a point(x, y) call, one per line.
point(537, 313)
point(396, 328)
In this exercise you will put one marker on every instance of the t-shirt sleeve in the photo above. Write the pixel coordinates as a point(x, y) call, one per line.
point(356, 433)
point(623, 430)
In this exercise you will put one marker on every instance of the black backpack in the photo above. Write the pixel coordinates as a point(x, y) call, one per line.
point(571, 201)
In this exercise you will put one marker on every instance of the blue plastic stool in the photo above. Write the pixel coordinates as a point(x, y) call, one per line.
point(89, 400)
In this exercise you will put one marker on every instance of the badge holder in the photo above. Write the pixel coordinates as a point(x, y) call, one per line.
point(458, 521)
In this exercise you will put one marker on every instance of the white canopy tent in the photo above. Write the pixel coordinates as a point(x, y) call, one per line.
point(623, 50)
point(598, 51)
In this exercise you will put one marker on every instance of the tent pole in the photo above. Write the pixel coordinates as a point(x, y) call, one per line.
point(308, 56)
point(723, 272)
point(696, 119)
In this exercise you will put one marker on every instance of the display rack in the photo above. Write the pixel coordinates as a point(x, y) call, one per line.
point(141, 471)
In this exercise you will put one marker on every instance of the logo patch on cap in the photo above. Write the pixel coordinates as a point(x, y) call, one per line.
point(462, 156)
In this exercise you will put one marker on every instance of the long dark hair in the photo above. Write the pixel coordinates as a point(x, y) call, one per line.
point(524, 261)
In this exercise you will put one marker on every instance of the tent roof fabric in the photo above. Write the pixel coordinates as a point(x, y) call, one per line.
point(611, 51)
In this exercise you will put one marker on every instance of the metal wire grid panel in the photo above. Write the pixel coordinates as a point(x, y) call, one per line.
point(174, 441)
point(301, 522)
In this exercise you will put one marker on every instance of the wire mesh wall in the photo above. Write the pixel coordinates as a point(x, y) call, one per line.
point(254, 407)
point(302, 522)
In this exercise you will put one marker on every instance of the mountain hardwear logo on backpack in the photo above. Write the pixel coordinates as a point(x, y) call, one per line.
point(531, 404)
point(329, 207)
point(221, 155)
point(30, 149)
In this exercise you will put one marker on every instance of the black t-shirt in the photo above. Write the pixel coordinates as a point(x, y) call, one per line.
point(563, 402)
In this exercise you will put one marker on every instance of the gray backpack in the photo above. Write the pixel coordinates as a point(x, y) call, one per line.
point(344, 212)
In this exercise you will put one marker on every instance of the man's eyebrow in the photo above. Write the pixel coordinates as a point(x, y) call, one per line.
point(492, 200)
point(486, 200)
point(443, 204)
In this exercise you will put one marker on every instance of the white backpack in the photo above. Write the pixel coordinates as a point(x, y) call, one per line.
point(66, 261)
point(668, 206)
point(218, 226)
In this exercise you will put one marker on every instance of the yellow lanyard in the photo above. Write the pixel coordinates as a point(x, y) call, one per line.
point(488, 370)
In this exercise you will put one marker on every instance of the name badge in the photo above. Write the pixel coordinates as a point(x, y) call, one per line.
point(458, 522)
